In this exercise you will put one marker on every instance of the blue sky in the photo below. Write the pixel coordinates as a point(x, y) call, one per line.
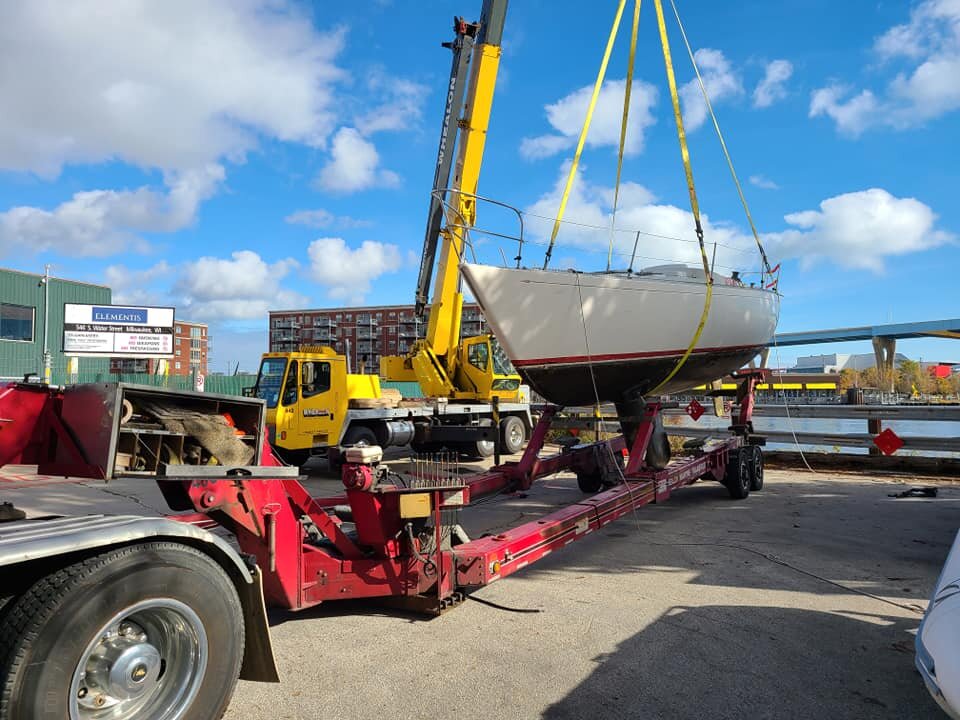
point(235, 157)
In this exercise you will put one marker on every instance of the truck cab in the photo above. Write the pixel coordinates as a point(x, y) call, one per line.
point(307, 394)
point(485, 368)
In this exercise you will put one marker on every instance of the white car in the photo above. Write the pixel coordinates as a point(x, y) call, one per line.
point(938, 639)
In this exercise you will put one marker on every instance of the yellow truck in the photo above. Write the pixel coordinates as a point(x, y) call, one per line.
point(315, 406)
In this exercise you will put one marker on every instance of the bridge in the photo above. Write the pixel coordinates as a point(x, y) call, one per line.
point(883, 337)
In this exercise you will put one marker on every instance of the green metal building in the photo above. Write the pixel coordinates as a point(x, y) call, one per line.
point(23, 298)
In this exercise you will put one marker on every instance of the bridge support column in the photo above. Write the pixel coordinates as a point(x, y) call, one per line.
point(885, 349)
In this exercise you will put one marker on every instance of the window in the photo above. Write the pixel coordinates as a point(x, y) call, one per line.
point(478, 355)
point(179, 330)
point(269, 379)
point(315, 378)
point(194, 333)
point(290, 387)
point(178, 352)
point(16, 322)
point(176, 365)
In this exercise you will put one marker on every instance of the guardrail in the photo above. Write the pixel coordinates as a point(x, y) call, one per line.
point(919, 451)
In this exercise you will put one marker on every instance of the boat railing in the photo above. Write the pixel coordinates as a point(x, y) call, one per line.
point(465, 228)
point(452, 201)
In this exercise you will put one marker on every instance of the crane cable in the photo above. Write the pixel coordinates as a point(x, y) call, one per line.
point(623, 125)
point(694, 204)
point(723, 144)
point(583, 132)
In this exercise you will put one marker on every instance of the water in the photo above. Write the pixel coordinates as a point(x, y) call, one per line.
point(830, 426)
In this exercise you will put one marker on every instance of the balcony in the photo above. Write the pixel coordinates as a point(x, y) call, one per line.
point(324, 323)
point(285, 325)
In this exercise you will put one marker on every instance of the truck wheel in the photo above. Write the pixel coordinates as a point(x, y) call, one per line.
point(479, 449)
point(151, 631)
point(359, 435)
point(294, 458)
point(756, 468)
point(737, 478)
point(513, 434)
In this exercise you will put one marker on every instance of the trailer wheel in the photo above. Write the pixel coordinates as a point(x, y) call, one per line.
point(589, 482)
point(756, 468)
point(737, 478)
point(513, 434)
point(151, 631)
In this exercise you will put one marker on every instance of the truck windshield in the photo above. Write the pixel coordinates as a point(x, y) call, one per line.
point(269, 380)
point(501, 363)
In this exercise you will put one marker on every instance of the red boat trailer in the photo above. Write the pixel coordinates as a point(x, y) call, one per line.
point(385, 536)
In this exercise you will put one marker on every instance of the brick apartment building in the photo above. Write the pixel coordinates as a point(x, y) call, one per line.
point(364, 334)
point(191, 344)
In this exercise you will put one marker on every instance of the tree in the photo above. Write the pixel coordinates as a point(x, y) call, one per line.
point(849, 378)
point(909, 377)
point(869, 377)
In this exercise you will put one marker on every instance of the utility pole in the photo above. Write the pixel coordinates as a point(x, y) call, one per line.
point(47, 360)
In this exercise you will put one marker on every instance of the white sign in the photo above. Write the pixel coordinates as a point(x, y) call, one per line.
point(117, 331)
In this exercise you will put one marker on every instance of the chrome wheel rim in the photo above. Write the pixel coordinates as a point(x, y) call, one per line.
point(516, 435)
point(146, 662)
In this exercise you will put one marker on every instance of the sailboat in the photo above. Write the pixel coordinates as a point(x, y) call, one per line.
point(581, 337)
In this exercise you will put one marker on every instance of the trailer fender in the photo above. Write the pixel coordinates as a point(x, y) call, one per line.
point(28, 542)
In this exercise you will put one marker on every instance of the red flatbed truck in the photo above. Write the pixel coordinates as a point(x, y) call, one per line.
point(157, 616)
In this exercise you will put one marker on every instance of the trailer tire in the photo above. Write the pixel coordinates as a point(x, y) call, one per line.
point(737, 478)
point(589, 483)
point(513, 434)
point(145, 630)
point(756, 468)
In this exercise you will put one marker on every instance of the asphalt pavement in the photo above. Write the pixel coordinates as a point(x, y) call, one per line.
point(801, 601)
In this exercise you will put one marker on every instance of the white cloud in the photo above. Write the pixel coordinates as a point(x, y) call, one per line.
point(354, 165)
point(321, 218)
point(348, 272)
point(853, 115)
point(930, 44)
point(171, 85)
point(773, 86)
point(400, 103)
point(566, 117)
point(721, 83)
point(763, 182)
point(132, 286)
point(858, 230)
point(100, 223)
point(244, 286)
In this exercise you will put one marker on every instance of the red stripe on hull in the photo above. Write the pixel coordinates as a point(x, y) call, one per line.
point(582, 359)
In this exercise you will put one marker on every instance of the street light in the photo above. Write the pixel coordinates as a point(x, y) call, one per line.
point(47, 360)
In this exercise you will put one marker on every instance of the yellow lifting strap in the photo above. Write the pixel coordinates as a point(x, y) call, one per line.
point(723, 144)
point(583, 132)
point(694, 205)
point(623, 125)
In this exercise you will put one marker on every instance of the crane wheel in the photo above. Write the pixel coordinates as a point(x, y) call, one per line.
point(513, 434)
point(148, 632)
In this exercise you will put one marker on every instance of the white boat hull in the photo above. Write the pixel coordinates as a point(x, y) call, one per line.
point(567, 331)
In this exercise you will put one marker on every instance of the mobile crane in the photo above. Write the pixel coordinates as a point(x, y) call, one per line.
point(315, 406)
point(472, 368)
